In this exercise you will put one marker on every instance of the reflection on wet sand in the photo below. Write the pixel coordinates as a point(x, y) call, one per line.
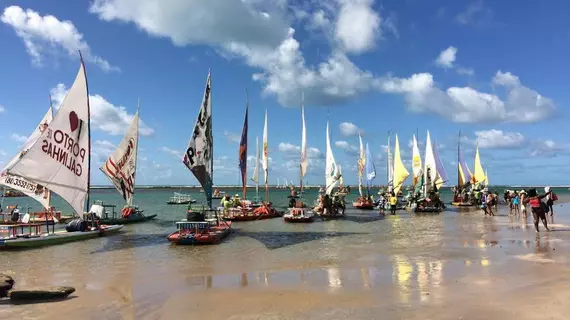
point(334, 279)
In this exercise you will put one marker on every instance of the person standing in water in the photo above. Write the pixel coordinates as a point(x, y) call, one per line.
point(523, 205)
point(537, 207)
point(550, 198)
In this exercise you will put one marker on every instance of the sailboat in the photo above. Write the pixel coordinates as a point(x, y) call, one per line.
point(478, 177)
point(245, 212)
point(297, 211)
point(460, 198)
point(330, 209)
point(25, 187)
point(121, 168)
point(430, 180)
point(365, 202)
point(255, 178)
point(200, 227)
point(400, 174)
point(59, 160)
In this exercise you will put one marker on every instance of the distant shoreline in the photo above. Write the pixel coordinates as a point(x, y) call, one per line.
point(308, 187)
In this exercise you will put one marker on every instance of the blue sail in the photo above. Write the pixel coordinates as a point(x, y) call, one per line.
point(370, 169)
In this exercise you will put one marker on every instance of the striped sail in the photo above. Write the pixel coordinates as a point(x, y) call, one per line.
point(121, 166)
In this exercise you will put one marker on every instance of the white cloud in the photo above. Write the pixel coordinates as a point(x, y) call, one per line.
point(349, 129)
point(295, 150)
point(2, 109)
point(545, 148)
point(465, 71)
point(232, 137)
point(467, 105)
point(44, 34)
point(175, 153)
point(446, 58)
point(497, 139)
point(101, 150)
point(105, 116)
point(347, 147)
point(260, 33)
point(18, 138)
point(506, 79)
point(476, 14)
point(358, 25)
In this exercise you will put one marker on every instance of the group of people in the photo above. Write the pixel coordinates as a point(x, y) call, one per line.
point(331, 205)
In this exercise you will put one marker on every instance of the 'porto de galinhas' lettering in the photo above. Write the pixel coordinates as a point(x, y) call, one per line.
point(64, 148)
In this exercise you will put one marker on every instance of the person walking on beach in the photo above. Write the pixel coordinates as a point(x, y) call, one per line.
point(538, 207)
point(523, 206)
point(550, 200)
point(516, 207)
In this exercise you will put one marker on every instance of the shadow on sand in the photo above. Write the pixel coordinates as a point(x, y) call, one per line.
point(276, 239)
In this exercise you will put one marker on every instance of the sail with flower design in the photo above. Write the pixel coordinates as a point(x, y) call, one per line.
point(416, 162)
point(361, 164)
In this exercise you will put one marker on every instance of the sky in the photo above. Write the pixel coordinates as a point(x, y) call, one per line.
point(495, 71)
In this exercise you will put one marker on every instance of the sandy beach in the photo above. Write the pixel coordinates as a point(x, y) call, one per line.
point(456, 265)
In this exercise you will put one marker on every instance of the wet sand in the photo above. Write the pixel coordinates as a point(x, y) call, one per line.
point(457, 265)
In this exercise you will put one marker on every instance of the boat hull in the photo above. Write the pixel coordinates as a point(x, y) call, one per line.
point(299, 215)
point(462, 204)
point(132, 220)
point(56, 238)
point(214, 236)
point(252, 217)
point(361, 206)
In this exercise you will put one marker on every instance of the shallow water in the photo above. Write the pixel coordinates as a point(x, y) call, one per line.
point(408, 260)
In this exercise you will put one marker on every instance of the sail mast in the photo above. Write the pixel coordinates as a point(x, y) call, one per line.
point(136, 150)
point(265, 158)
point(88, 136)
point(243, 149)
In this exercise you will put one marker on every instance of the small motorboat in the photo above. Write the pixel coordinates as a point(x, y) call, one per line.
point(209, 231)
point(299, 215)
point(129, 214)
point(180, 198)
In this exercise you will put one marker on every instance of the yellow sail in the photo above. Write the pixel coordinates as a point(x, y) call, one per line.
point(478, 173)
point(400, 172)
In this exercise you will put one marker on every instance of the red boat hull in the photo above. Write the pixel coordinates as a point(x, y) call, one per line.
point(363, 206)
point(211, 236)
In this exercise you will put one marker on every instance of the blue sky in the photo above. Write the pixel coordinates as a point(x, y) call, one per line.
point(496, 71)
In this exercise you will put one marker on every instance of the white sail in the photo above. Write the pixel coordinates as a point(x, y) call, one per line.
point(255, 177)
point(430, 171)
point(265, 154)
point(60, 158)
point(199, 155)
point(303, 145)
point(416, 162)
point(361, 164)
point(332, 173)
point(29, 188)
point(121, 166)
point(390, 164)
